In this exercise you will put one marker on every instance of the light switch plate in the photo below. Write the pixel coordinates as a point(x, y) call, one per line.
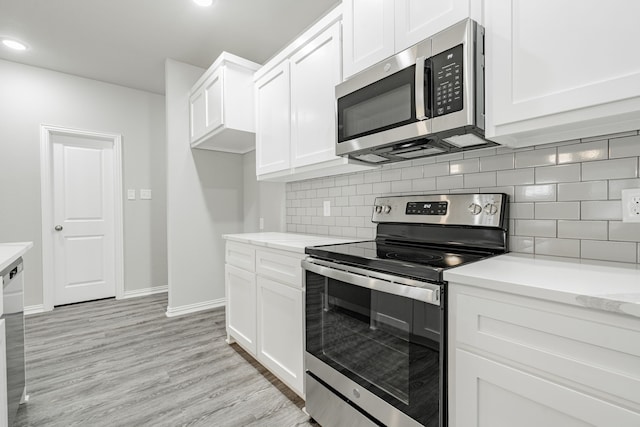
point(145, 194)
point(131, 194)
point(261, 223)
point(631, 205)
point(326, 208)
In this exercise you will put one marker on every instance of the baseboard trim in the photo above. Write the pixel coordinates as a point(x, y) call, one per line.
point(193, 308)
point(34, 309)
point(145, 291)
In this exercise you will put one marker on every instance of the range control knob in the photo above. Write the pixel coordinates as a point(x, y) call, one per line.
point(475, 208)
point(378, 209)
point(491, 209)
point(386, 209)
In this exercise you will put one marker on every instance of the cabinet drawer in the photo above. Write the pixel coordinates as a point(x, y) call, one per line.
point(597, 352)
point(241, 255)
point(280, 266)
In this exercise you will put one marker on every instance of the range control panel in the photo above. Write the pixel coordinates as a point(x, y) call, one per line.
point(426, 208)
point(447, 81)
point(480, 209)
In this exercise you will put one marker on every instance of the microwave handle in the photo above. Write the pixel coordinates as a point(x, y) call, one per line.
point(421, 111)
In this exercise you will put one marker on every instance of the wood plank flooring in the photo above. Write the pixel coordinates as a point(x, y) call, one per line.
point(124, 363)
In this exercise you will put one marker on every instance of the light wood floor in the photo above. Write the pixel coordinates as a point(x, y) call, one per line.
point(124, 363)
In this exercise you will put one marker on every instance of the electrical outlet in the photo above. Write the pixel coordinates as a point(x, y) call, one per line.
point(261, 223)
point(131, 194)
point(327, 207)
point(631, 205)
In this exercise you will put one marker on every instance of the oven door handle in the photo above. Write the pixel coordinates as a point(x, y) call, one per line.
point(421, 291)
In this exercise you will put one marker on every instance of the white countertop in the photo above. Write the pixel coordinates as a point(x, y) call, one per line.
point(10, 252)
point(611, 287)
point(292, 242)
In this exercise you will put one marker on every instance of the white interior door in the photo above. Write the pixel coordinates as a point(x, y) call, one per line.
point(84, 250)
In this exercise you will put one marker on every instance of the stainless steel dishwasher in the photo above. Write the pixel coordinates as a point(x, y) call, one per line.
point(13, 305)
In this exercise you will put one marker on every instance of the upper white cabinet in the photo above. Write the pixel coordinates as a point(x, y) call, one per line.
point(415, 20)
point(377, 29)
point(295, 107)
point(368, 34)
point(571, 76)
point(315, 71)
point(273, 120)
point(221, 106)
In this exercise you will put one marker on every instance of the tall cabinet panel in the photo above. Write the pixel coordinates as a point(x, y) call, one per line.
point(273, 120)
point(368, 33)
point(315, 71)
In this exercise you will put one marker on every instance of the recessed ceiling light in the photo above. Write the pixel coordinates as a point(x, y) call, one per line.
point(13, 44)
point(203, 2)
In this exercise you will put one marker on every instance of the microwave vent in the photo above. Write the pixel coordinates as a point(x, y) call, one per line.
point(465, 140)
point(371, 158)
point(420, 153)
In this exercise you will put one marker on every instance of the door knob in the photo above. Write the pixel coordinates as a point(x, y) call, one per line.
point(58, 228)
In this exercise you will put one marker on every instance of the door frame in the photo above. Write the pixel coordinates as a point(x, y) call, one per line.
point(46, 190)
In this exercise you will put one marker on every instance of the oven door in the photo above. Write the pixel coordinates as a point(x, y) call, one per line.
point(379, 345)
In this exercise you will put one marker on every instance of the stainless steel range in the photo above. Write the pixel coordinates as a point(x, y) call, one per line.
point(376, 311)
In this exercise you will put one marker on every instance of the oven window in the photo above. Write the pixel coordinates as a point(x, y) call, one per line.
point(386, 343)
point(379, 106)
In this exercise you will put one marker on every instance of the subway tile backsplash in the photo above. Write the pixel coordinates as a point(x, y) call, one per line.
point(564, 197)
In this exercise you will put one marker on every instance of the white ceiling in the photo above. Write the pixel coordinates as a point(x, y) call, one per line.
point(126, 41)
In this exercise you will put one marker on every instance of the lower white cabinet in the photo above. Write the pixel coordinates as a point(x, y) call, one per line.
point(521, 361)
point(280, 345)
point(264, 311)
point(240, 286)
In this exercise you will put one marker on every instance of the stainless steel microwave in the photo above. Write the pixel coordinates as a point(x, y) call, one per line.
point(424, 101)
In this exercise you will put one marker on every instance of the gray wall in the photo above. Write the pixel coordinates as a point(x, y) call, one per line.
point(31, 96)
point(565, 196)
point(262, 199)
point(204, 201)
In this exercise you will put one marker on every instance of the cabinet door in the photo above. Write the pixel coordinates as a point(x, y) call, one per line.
point(240, 286)
point(213, 90)
point(368, 33)
point(4, 415)
point(315, 71)
point(197, 114)
point(490, 394)
point(273, 120)
point(280, 323)
point(571, 77)
point(415, 20)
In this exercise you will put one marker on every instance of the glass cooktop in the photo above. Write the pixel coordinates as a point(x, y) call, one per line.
point(421, 262)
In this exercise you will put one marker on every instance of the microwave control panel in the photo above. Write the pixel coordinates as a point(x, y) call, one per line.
point(447, 81)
